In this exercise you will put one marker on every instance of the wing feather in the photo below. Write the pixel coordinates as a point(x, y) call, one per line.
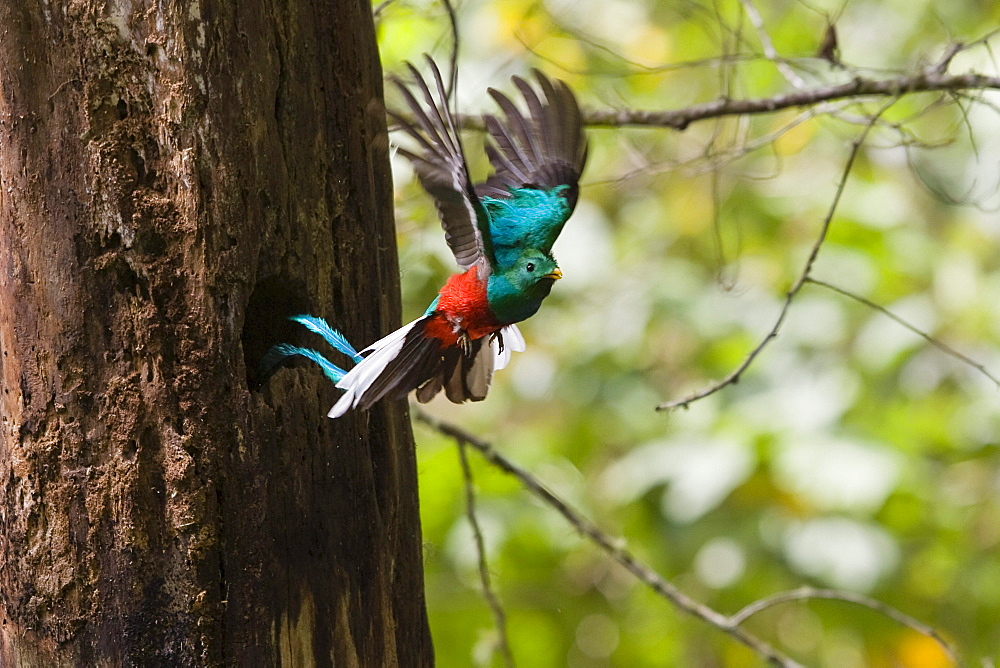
point(504, 155)
point(546, 149)
point(519, 127)
point(478, 372)
point(440, 165)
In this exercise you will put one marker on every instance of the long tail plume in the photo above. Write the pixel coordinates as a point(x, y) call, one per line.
point(280, 353)
point(408, 360)
point(405, 360)
point(332, 336)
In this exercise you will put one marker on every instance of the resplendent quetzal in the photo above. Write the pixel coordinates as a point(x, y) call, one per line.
point(501, 233)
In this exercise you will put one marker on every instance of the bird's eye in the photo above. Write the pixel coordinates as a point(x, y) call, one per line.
point(530, 266)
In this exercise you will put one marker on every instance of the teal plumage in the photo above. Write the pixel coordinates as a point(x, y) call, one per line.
point(501, 233)
point(515, 294)
point(282, 351)
point(537, 162)
point(529, 218)
point(332, 336)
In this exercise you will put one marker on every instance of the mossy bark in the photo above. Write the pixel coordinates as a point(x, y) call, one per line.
point(175, 178)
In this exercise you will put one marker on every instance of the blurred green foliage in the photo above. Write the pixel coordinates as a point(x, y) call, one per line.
point(852, 454)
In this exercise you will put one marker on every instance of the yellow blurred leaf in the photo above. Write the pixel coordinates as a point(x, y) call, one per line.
point(691, 208)
point(517, 27)
point(652, 48)
point(918, 651)
point(795, 139)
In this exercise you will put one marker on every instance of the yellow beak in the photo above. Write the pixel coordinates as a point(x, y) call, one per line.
point(555, 274)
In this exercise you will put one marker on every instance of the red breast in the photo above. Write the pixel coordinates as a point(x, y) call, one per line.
point(462, 308)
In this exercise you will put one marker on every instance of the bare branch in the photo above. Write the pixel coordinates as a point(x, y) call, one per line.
point(611, 546)
point(859, 87)
point(698, 165)
point(940, 345)
point(614, 548)
point(734, 376)
point(806, 593)
point(854, 91)
point(503, 644)
point(953, 50)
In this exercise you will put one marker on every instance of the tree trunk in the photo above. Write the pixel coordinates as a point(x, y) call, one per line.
point(175, 179)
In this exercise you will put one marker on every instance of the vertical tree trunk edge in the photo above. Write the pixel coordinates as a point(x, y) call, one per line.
point(174, 182)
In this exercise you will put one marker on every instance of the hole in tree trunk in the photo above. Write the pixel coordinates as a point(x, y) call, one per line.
point(274, 299)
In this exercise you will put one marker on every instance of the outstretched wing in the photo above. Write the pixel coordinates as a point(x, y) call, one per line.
point(442, 171)
point(544, 150)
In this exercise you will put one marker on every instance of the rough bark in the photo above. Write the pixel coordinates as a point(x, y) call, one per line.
point(175, 178)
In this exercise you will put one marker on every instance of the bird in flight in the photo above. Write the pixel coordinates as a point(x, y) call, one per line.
point(500, 231)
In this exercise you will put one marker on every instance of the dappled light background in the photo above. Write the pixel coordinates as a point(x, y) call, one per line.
point(851, 454)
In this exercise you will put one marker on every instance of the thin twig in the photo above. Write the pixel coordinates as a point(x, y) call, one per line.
point(769, 51)
point(790, 75)
point(806, 593)
point(610, 546)
point(381, 7)
point(735, 375)
point(503, 644)
point(698, 166)
point(949, 54)
point(940, 345)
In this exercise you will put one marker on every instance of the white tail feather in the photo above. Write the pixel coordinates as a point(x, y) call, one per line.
point(512, 342)
point(360, 378)
point(472, 384)
point(514, 338)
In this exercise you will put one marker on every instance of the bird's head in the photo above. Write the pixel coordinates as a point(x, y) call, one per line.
point(516, 292)
point(533, 272)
